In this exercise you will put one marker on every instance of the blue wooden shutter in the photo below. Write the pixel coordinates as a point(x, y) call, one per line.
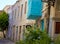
point(34, 9)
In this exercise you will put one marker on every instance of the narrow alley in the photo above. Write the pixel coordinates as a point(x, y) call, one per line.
point(30, 22)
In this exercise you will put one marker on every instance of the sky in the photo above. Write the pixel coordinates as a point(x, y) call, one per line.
point(3, 3)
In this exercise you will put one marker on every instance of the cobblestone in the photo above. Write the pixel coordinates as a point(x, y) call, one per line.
point(6, 41)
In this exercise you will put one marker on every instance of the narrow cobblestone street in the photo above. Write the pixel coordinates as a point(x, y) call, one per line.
point(6, 41)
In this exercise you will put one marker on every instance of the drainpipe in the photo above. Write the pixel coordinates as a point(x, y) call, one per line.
point(48, 15)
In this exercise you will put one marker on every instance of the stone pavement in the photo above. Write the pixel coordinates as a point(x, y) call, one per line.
point(6, 41)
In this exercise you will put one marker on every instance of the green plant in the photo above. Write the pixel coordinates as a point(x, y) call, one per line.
point(57, 40)
point(3, 22)
point(20, 42)
point(34, 35)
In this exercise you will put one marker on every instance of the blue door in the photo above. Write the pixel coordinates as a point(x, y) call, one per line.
point(42, 25)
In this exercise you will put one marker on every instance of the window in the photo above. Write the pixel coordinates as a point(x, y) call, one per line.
point(24, 27)
point(12, 14)
point(16, 32)
point(21, 10)
point(19, 32)
point(25, 7)
point(13, 31)
point(15, 13)
point(18, 10)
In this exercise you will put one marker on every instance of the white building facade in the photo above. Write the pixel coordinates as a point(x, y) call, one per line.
point(18, 20)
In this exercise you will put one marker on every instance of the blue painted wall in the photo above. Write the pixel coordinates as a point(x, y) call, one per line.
point(34, 9)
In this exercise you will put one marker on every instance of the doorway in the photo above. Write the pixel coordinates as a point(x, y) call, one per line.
point(57, 28)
